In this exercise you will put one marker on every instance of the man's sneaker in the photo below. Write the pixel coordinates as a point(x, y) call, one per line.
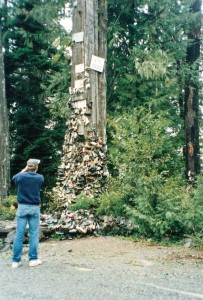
point(35, 262)
point(16, 264)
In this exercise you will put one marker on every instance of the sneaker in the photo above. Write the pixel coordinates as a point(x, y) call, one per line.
point(16, 264)
point(35, 262)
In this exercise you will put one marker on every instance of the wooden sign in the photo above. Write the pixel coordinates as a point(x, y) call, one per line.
point(74, 91)
point(71, 90)
point(80, 97)
point(79, 68)
point(97, 63)
point(80, 104)
point(78, 37)
point(79, 84)
point(81, 129)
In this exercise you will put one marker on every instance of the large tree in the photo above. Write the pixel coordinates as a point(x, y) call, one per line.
point(153, 56)
point(31, 60)
point(4, 128)
point(192, 150)
point(83, 167)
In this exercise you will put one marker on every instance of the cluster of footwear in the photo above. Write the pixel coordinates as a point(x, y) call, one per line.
point(117, 224)
point(83, 167)
point(85, 222)
point(81, 221)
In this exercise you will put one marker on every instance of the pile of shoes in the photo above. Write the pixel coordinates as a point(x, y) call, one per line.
point(68, 224)
point(117, 224)
point(83, 167)
point(85, 222)
point(81, 221)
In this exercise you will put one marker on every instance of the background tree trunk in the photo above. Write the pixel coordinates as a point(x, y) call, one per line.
point(192, 151)
point(4, 131)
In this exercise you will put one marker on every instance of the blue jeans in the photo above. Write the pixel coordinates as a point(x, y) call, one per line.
point(26, 214)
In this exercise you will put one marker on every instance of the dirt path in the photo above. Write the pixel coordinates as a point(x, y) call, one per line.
point(105, 268)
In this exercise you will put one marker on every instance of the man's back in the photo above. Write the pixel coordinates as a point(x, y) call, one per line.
point(29, 184)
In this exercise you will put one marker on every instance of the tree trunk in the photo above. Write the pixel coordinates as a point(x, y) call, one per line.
point(4, 131)
point(102, 52)
point(192, 151)
point(83, 167)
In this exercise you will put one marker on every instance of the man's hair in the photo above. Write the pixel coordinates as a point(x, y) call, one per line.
point(32, 168)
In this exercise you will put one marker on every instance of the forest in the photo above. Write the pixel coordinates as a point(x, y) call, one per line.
point(154, 110)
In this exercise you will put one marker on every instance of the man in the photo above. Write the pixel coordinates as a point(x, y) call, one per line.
point(29, 183)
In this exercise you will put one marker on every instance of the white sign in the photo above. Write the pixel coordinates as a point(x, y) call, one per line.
point(81, 104)
point(79, 84)
point(79, 68)
point(81, 130)
point(71, 90)
point(74, 91)
point(78, 37)
point(97, 63)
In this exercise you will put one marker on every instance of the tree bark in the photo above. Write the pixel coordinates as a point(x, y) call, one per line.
point(83, 167)
point(192, 149)
point(102, 52)
point(4, 131)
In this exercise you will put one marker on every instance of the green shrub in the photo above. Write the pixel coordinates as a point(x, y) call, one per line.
point(197, 196)
point(83, 202)
point(111, 203)
point(8, 208)
point(148, 184)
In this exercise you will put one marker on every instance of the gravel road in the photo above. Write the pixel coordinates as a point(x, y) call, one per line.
point(104, 268)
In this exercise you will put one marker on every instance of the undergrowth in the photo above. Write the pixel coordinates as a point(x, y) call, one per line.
point(8, 208)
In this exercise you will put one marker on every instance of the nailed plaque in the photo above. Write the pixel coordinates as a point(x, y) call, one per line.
point(78, 97)
point(79, 68)
point(81, 104)
point(79, 84)
point(97, 63)
point(78, 37)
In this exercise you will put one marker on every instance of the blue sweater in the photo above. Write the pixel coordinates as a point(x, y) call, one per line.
point(29, 184)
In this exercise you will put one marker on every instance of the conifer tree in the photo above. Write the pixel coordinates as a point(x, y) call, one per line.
point(29, 64)
point(192, 150)
point(4, 128)
point(149, 59)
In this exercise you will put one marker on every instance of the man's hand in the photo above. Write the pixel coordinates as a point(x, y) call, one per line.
point(25, 169)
